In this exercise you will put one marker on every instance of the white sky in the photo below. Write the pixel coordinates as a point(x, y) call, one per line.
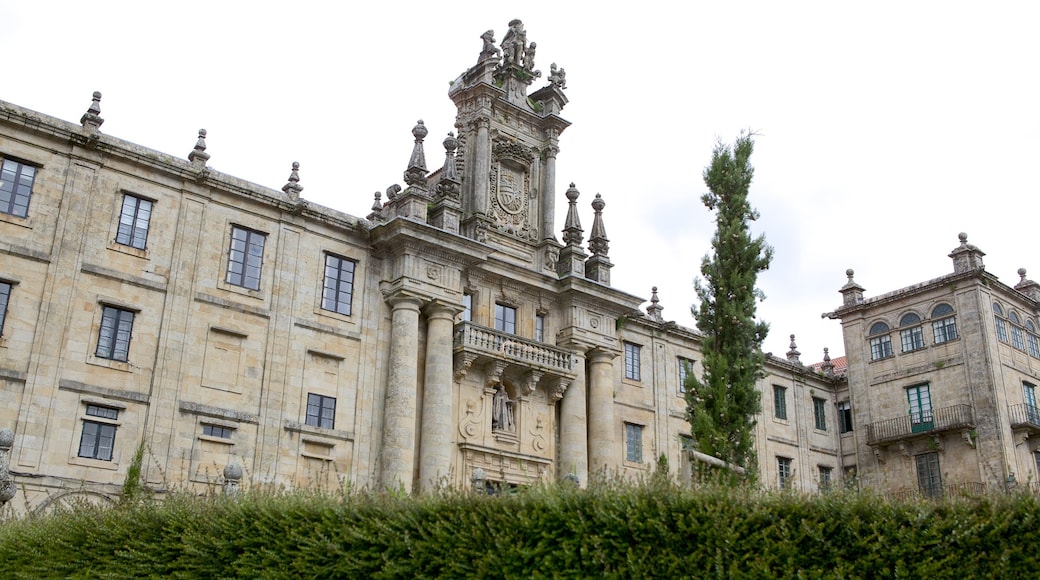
point(885, 128)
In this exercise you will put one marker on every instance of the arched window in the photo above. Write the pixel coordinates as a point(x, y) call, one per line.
point(881, 344)
point(1017, 340)
point(1014, 317)
point(911, 337)
point(944, 324)
point(909, 318)
point(1001, 324)
point(997, 309)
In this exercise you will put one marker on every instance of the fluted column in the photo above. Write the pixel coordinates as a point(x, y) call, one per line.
point(435, 448)
point(602, 448)
point(574, 442)
point(399, 408)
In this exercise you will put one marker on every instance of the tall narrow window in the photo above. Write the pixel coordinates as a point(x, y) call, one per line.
point(505, 318)
point(1002, 333)
point(780, 402)
point(1031, 339)
point(467, 307)
point(844, 417)
point(633, 442)
point(338, 288)
point(1029, 394)
point(245, 257)
point(114, 335)
point(880, 342)
point(16, 184)
point(539, 327)
point(133, 222)
point(97, 438)
point(685, 368)
point(920, 402)
point(632, 361)
point(820, 413)
point(5, 297)
point(929, 479)
point(944, 324)
point(825, 477)
point(783, 470)
point(321, 411)
point(911, 338)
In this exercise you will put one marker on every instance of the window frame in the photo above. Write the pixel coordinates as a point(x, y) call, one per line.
point(247, 256)
point(844, 417)
point(539, 327)
point(780, 402)
point(819, 413)
point(633, 442)
point(130, 234)
point(337, 286)
point(633, 361)
point(826, 477)
point(467, 307)
point(784, 471)
point(685, 370)
point(110, 345)
point(94, 432)
point(6, 288)
point(505, 318)
point(17, 192)
point(323, 413)
point(217, 431)
point(880, 342)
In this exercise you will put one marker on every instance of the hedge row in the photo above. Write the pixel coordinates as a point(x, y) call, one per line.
point(616, 530)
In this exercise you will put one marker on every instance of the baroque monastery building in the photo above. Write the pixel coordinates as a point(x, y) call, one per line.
point(454, 336)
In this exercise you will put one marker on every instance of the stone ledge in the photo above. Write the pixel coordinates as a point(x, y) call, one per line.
point(78, 387)
point(217, 412)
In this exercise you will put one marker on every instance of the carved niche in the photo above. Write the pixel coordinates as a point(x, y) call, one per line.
point(510, 188)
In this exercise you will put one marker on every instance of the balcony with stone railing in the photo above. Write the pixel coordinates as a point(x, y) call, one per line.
point(527, 362)
point(936, 421)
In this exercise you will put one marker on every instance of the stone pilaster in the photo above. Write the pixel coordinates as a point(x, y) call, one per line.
point(549, 194)
point(574, 442)
point(399, 408)
point(602, 447)
point(435, 448)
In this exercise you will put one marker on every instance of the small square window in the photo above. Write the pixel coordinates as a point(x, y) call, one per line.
point(134, 219)
point(245, 257)
point(16, 184)
point(633, 443)
point(321, 411)
point(339, 284)
point(114, 335)
point(217, 431)
point(505, 318)
point(632, 361)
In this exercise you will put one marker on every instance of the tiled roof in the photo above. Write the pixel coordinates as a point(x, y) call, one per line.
point(840, 366)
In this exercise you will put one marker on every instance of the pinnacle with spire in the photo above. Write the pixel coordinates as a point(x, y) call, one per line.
point(449, 185)
point(655, 308)
point(598, 267)
point(293, 187)
point(92, 118)
point(827, 366)
point(572, 232)
point(198, 155)
point(793, 354)
point(415, 175)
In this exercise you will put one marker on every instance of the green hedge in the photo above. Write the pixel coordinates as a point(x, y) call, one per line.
point(615, 530)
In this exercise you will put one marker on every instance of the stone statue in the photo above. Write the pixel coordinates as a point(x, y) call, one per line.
point(557, 76)
point(514, 43)
point(502, 410)
point(529, 56)
point(489, 50)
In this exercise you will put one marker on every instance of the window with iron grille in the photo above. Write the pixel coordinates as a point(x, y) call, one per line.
point(338, 288)
point(245, 257)
point(134, 219)
point(321, 411)
point(114, 335)
point(16, 184)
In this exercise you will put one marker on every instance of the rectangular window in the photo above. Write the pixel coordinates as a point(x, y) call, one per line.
point(920, 402)
point(539, 327)
point(633, 443)
point(780, 402)
point(1034, 345)
point(114, 335)
point(1002, 333)
point(338, 288)
point(825, 477)
point(844, 417)
point(880, 347)
point(467, 307)
point(133, 222)
point(321, 411)
point(16, 184)
point(505, 318)
point(944, 330)
point(783, 470)
point(820, 413)
point(1016, 338)
point(928, 477)
point(1029, 394)
point(849, 476)
point(98, 438)
point(685, 368)
point(217, 431)
point(5, 297)
point(632, 361)
point(245, 257)
point(911, 339)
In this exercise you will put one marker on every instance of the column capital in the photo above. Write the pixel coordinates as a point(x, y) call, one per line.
point(600, 354)
point(404, 300)
point(441, 309)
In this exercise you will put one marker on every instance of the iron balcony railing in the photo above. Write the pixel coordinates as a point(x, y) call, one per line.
point(512, 349)
point(915, 424)
point(1024, 415)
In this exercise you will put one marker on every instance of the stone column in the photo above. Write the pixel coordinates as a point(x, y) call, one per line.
point(602, 448)
point(482, 167)
point(574, 442)
point(549, 194)
point(435, 448)
point(399, 407)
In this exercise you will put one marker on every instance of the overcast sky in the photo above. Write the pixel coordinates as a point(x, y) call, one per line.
point(884, 128)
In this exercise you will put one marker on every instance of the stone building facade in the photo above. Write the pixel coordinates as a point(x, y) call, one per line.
point(243, 335)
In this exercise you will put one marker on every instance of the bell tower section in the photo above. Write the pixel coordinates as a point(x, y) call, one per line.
point(508, 142)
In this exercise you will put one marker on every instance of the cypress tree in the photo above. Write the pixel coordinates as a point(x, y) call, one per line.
point(722, 404)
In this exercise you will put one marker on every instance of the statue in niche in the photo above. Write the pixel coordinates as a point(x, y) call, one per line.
point(489, 50)
point(502, 410)
point(514, 43)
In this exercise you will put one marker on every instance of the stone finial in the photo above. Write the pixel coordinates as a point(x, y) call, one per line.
point(198, 155)
point(655, 308)
point(1027, 286)
point(232, 478)
point(92, 118)
point(449, 185)
point(572, 232)
point(377, 204)
point(415, 175)
point(793, 354)
point(966, 257)
point(293, 187)
point(851, 291)
point(598, 242)
point(827, 366)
